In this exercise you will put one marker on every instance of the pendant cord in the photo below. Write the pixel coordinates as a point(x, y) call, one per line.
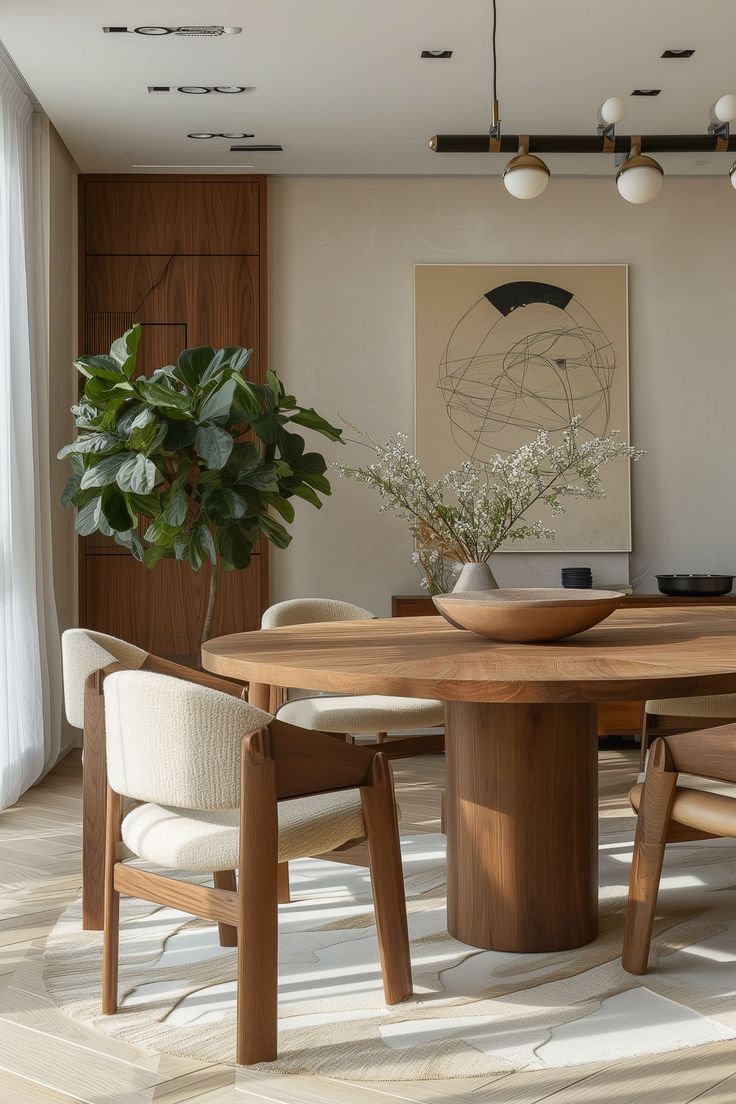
point(493, 42)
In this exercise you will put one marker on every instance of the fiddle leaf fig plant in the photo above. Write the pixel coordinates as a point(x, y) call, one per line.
point(205, 459)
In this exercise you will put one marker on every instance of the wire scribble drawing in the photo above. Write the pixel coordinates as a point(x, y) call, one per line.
point(526, 356)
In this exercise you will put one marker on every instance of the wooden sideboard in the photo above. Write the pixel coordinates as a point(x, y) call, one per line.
point(614, 718)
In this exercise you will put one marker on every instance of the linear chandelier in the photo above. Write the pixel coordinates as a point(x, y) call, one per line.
point(639, 177)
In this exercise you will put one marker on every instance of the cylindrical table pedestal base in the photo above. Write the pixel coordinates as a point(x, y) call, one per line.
point(522, 825)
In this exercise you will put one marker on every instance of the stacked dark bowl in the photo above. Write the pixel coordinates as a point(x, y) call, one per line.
point(577, 578)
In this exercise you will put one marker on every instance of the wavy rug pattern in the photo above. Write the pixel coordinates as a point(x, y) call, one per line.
point(474, 1013)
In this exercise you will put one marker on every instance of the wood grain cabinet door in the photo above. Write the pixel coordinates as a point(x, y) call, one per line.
point(173, 216)
point(185, 257)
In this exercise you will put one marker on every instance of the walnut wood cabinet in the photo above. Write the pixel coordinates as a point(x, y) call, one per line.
point(186, 257)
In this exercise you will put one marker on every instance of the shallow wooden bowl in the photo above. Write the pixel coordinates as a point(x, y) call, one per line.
point(527, 615)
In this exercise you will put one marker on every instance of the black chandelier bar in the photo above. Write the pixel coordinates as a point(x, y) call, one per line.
point(584, 143)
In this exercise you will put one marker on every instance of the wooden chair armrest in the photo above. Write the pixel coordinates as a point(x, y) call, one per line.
point(311, 762)
point(433, 744)
point(668, 724)
point(191, 674)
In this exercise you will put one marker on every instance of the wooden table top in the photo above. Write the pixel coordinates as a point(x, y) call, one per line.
point(634, 654)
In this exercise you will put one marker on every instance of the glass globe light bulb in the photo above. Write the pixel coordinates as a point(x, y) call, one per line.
point(639, 180)
point(525, 176)
point(613, 110)
point(724, 109)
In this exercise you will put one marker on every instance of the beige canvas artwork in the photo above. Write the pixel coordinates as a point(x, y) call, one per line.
point(503, 351)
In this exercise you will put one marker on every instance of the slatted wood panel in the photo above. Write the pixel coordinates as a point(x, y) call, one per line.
point(102, 327)
point(185, 257)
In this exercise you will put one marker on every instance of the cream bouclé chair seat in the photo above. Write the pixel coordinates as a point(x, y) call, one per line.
point(355, 714)
point(201, 841)
point(364, 713)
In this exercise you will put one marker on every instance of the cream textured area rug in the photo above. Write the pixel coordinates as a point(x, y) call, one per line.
point(474, 1013)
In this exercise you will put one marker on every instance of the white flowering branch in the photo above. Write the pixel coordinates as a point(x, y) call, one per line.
point(468, 513)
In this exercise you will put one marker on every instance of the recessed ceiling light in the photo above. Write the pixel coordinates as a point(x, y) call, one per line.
point(220, 134)
point(202, 89)
point(168, 166)
point(256, 149)
point(678, 53)
point(436, 53)
point(208, 31)
point(646, 91)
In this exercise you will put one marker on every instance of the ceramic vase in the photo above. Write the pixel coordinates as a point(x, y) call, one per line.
point(475, 576)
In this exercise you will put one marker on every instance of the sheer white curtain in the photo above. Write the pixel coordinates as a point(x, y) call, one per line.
point(29, 663)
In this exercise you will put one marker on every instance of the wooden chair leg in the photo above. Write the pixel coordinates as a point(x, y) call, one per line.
point(257, 977)
point(387, 880)
point(225, 879)
point(382, 737)
point(110, 950)
point(259, 695)
point(283, 891)
point(443, 812)
point(644, 743)
point(655, 809)
point(94, 797)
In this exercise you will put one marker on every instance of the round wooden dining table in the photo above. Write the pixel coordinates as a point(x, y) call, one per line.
point(521, 741)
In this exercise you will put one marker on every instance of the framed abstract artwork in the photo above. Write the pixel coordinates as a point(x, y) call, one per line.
point(503, 351)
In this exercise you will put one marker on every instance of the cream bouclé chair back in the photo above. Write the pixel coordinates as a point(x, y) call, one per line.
point(311, 611)
point(85, 652)
point(175, 743)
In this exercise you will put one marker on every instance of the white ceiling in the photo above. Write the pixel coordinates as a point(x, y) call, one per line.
point(340, 85)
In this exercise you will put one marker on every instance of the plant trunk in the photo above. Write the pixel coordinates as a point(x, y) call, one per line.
point(207, 625)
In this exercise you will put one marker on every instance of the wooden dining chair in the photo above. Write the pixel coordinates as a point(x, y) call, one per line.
point(222, 785)
point(350, 715)
point(85, 654)
point(668, 813)
point(668, 716)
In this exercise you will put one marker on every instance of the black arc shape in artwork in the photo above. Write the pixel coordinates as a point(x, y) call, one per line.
point(520, 293)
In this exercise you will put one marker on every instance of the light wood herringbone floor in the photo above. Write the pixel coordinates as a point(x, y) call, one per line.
point(46, 1058)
